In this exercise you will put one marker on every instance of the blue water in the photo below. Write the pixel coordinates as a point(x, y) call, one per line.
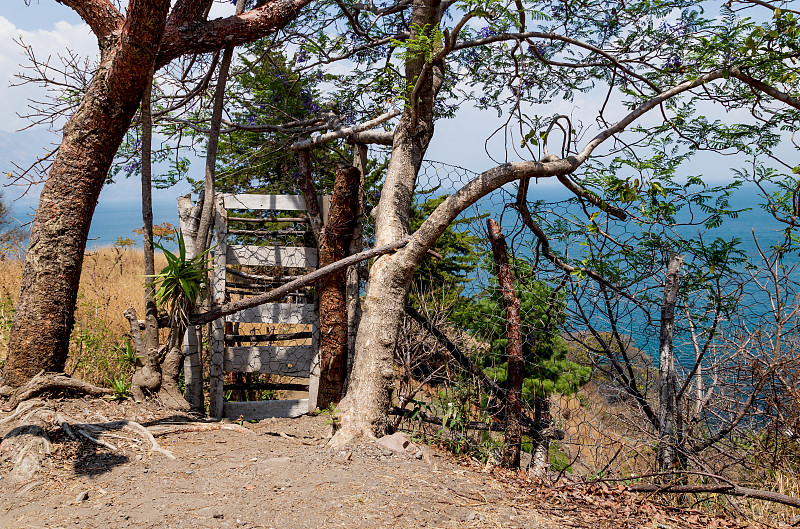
point(752, 221)
point(114, 220)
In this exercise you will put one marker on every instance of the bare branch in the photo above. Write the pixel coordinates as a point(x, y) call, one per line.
point(272, 295)
point(344, 132)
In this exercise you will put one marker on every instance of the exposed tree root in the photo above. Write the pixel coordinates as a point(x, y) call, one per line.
point(53, 381)
point(27, 445)
point(97, 441)
point(346, 436)
point(21, 408)
point(160, 430)
point(130, 426)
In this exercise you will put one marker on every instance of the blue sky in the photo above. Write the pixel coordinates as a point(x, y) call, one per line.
point(50, 28)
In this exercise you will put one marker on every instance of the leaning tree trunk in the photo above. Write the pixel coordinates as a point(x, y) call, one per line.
point(44, 317)
point(364, 408)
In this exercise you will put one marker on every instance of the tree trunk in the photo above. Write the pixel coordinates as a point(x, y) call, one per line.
point(364, 408)
point(44, 315)
point(514, 362)
point(667, 456)
point(353, 289)
point(170, 392)
point(334, 245)
point(540, 456)
point(148, 370)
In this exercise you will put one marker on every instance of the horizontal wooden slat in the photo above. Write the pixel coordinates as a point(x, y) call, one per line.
point(265, 409)
point(276, 337)
point(287, 256)
point(267, 219)
point(291, 360)
point(271, 202)
point(273, 386)
point(288, 313)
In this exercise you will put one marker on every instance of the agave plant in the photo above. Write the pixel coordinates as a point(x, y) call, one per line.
point(180, 283)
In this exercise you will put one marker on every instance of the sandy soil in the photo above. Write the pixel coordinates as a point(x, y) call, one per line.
point(279, 474)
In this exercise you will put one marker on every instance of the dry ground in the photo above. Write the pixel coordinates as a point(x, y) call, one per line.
point(281, 475)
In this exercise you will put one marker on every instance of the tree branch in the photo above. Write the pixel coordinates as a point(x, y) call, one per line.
point(346, 131)
point(730, 490)
point(272, 295)
point(375, 137)
point(201, 36)
point(763, 87)
point(101, 15)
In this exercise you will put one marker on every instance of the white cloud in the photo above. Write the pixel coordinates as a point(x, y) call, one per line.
point(46, 43)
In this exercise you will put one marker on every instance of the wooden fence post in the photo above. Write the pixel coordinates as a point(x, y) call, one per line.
point(217, 341)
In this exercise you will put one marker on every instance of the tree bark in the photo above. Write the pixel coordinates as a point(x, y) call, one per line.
point(44, 316)
point(364, 408)
point(667, 410)
point(149, 346)
point(514, 361)
point(129, 48)
point(334, 246)
point(353, 289)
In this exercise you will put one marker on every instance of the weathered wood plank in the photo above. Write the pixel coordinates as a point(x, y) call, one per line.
point(270, 202)
point(285, 313)
point(287, 256)
point(290, 360)
point(266, 409)
point(217, 342)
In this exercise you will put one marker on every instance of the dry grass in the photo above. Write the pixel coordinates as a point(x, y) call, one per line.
point(603, 439)
point(111, 281)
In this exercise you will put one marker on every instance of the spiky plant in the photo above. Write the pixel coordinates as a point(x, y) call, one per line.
point(180, 283)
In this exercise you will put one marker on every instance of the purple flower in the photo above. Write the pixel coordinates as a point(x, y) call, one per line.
point(486, 32)
point(308, 102)
point(251, 119)
point(678, 29)
point(673, 63)
point(301, 57)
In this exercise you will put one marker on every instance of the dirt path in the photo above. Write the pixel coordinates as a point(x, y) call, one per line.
point(281, 475)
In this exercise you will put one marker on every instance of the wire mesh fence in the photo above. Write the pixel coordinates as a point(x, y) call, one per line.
point(592, 388)
point(270, 347)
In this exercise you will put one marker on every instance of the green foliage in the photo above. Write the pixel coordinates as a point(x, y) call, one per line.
point(331, 414)
point(268, 91)
point(120, 386)
point(547, 369)
point(127, 354)
point(456, 259)
point(180, 283)
point(423, 44)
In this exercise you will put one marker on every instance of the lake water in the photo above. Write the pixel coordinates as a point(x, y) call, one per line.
point(119, 219)
point(113, 220)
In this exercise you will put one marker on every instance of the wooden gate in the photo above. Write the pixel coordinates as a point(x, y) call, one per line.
point(277, 339)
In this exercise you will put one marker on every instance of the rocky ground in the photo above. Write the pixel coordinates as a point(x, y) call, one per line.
point(278, 473)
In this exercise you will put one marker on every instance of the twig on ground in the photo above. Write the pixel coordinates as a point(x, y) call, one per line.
point(97, 441)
